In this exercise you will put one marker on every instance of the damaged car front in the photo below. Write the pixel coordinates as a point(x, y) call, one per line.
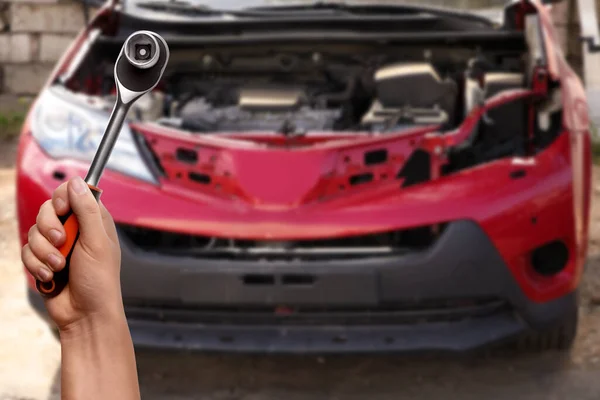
point(331, 177)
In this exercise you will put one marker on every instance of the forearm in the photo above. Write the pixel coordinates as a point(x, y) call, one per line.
point(98, 361)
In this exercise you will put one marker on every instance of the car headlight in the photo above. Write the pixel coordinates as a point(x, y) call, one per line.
point(67, 127)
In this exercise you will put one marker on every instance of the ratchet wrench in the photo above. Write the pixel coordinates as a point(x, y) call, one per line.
point(138, 69)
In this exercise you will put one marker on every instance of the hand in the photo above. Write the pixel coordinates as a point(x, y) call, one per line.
point(94, 289)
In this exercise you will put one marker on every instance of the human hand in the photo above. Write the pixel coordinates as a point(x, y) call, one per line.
point(94, 289)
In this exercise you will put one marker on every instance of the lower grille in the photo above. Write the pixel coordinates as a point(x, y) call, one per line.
point(398, 314)
point(380, 244)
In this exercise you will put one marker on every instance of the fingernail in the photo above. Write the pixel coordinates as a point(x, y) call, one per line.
point(44, 275)
point(55, 236)
point(54, 260)
point(59, 203)
point(79, 185)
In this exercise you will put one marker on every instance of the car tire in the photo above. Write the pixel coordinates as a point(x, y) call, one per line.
point(559, 337)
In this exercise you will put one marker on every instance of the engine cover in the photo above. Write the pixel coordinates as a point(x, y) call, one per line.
point(200, 116)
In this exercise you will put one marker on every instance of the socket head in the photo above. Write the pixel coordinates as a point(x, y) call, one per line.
point(141, 50)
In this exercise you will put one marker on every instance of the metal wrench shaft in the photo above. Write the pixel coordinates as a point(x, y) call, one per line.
point(115, 123)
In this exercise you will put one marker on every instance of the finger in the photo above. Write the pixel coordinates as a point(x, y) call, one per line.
point(49, 225)
point(45, 251)
point(35, 267)
point(86, 209)
point(109, 224)
point(60, 199)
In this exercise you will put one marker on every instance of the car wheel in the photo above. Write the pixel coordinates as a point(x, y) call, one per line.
point(559, 337)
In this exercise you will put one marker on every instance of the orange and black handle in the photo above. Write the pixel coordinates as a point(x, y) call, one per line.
point(59, 281)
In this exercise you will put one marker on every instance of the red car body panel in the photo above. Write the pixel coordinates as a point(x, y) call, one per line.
point(260, 189)
point(518, 215)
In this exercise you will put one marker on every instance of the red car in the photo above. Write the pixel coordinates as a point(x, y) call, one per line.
point(331, 177)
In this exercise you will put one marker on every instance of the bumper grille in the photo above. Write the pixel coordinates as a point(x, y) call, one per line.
point(431, 311)
point(380, 244)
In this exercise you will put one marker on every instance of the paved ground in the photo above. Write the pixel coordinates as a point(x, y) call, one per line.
point(30, 355)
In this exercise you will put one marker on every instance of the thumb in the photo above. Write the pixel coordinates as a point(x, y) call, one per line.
point(86, 209)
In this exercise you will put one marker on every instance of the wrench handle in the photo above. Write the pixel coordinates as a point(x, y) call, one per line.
point(53, 287)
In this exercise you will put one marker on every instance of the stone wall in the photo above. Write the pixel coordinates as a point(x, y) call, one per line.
point(35, 33)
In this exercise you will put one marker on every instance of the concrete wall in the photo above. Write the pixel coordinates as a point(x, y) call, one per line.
point(34, 34)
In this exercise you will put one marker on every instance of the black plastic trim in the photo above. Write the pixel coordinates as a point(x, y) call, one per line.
point(463, 263)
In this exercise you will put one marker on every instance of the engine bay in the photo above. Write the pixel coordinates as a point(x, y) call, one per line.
point(295, 90)
point(316, 98)
point(376, 87)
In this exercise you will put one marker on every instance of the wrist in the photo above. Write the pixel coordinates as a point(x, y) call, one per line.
point(98, 359)
point(93, 325)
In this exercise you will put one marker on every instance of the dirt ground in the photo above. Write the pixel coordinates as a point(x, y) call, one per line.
point(30, 356)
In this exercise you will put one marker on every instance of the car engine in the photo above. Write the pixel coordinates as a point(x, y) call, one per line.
point(294, 90)
point(258, 110)
point(408, 93)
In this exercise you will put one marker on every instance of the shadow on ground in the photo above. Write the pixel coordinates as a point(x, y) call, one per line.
point(186, 376)
point(178, 376)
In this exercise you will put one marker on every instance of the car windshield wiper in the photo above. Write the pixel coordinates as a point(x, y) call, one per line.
point(188, 7)
point(318, 8)
point(333, 8)
point(179, 6)
point(315, 9)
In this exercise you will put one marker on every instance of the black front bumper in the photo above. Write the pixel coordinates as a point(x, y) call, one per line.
point(355, 305)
